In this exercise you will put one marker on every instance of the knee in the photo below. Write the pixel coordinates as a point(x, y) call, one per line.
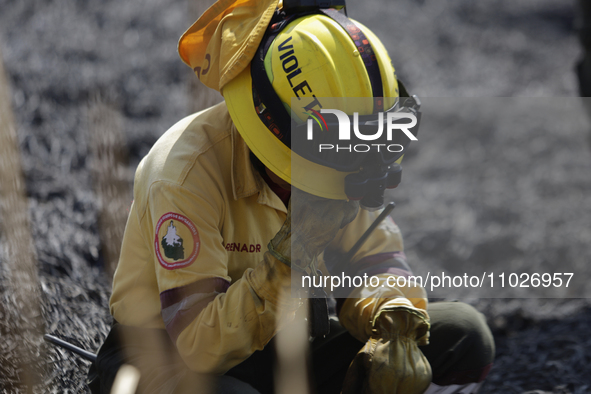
point(462, 343)
point(466, 325)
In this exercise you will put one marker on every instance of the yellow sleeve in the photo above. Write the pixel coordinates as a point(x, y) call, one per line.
point(215, 325)
point(382, 256)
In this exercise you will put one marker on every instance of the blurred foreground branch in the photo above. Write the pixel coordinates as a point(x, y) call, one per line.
point(22, 325)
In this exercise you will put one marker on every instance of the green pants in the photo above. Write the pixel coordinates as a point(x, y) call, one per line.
point(461, 351)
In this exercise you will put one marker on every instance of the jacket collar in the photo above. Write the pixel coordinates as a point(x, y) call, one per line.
point(245, 180)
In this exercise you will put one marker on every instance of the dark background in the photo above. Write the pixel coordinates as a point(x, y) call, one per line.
point(464, 198)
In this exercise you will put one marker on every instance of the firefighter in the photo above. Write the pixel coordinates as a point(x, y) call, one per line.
point(213, 239)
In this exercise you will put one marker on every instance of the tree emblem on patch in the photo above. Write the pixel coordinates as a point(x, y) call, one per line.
point(176, 241)
point(172, 243)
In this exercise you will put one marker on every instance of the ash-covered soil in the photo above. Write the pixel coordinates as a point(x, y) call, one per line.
point(479, 188)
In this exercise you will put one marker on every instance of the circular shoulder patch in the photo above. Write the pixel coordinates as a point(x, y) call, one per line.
point(176, 241)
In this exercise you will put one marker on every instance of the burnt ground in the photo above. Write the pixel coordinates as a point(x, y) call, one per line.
point(479, 190)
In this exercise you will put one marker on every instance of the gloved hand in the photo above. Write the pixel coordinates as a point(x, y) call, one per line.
point(391, 362)
point(304, 235)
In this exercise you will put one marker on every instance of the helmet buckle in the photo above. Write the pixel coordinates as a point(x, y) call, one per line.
point(368, 185)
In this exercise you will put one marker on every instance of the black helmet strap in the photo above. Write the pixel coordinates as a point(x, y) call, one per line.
point(269, 106)
point(366, 52)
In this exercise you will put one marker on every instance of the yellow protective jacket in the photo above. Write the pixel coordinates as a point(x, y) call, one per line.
point(199, 226)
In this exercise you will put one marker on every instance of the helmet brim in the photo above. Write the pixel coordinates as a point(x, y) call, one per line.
point(305, 175)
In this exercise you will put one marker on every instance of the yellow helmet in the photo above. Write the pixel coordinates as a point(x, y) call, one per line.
point(306, 58)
